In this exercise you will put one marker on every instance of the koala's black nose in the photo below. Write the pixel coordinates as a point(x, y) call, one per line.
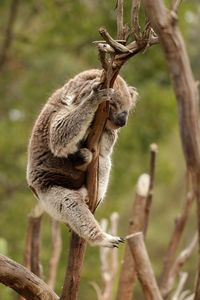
point(121, 118)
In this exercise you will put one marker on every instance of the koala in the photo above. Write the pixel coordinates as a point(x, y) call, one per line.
point(58, 157)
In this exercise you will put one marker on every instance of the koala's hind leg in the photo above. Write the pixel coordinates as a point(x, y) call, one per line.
point(69, 207)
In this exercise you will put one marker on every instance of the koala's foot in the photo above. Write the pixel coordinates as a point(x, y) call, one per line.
point(81, 159)
point(107, 240)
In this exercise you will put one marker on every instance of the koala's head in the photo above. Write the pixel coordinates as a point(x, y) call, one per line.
point(122, 101)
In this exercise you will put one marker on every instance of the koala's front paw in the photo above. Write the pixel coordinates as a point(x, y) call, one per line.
point(99, 95)
point(108, 240)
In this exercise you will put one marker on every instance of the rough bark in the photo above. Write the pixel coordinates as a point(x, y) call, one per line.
point(143, 267)
point(164, 23)
point(20, 279)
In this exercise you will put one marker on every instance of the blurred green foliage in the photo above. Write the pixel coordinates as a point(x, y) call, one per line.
point(51, 43)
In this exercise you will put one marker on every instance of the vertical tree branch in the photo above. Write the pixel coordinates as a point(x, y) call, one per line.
point(56, 250)
point(8, 35)
point(35, 245)
point(120, 19)
point(152, 170)
point(143, 267)
point(185, 87)
point(170, 256)
point(136, 223)
point(135, 25)
point(32, 244)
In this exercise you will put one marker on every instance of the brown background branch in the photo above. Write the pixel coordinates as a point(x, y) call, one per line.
point(23, 281)
point(8, 36)
point(164, 23)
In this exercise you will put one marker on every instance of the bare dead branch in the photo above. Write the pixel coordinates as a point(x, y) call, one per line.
point(75, 261)
point(136, 223)
point(176, 270)
point(178, 62)
point(180, 261)
point(135, 19)
point(97, 290)
point(8, 35)
point(32, 245)
point(114, 218)
point(56, 251)
point(165, 24)
point(180, 287)
point(175, 5)
point(119, 48)
point(23, 281)
point(143, 266)
point(173, 244)
point(152, 170)
point(120, 19)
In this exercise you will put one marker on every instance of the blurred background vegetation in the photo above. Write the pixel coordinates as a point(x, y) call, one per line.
point(51, 42)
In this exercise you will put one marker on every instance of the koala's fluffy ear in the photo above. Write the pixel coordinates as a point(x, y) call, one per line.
point(134, 94)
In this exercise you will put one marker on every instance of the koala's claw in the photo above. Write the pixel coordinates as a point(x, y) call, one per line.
point(122, 240)
point(96, 86)
point(109, 241)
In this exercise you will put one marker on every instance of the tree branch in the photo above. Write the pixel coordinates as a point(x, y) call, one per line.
point(136, 223)
point(152, 171)
point(165, 24)
point(56, 250)
point(143, 267)
point(135, 25)
point(8, 36)
point(170, 256)
point(120, 19)
point(23, 281)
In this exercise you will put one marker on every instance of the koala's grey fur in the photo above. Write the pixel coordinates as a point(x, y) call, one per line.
point(58, 157)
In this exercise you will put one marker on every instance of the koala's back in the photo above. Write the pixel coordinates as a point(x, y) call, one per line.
point(44, 169)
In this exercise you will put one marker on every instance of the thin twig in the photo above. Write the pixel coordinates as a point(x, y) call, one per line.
point(181, 284)
point(119, 48)
point(180, 261)
point(152, 170)
point(174, 242)
point(175, 5)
